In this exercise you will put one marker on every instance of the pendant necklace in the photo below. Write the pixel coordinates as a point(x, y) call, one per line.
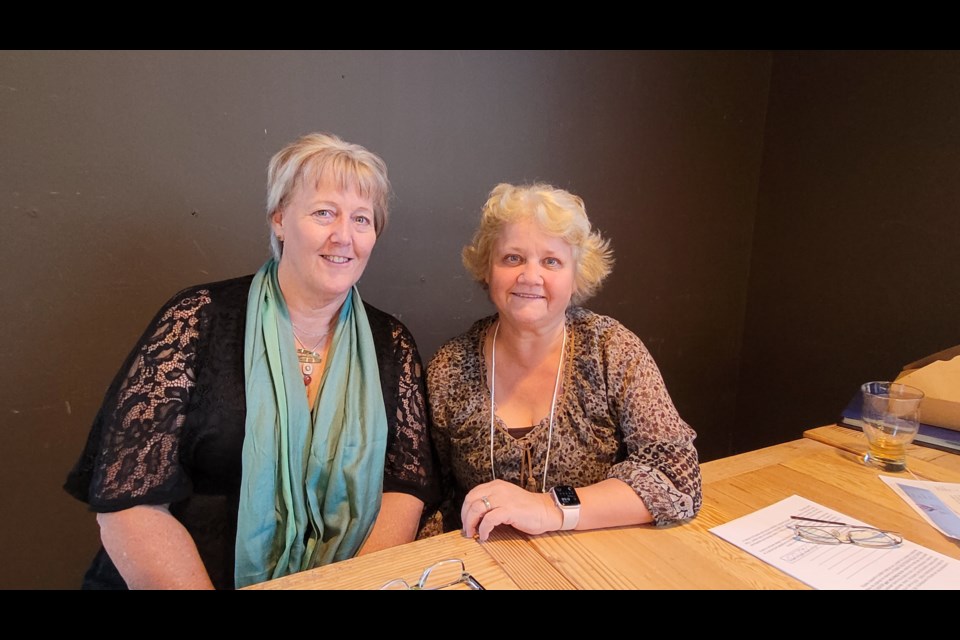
point(553, 402)
point(308, 358)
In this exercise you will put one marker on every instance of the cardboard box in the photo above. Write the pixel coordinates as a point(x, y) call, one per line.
point(938, 376)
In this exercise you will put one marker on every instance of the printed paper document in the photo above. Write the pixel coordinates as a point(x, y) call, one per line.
point(937, 502)
point(766, 535)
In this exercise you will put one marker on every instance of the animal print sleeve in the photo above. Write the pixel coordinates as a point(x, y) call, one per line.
point(661, 463)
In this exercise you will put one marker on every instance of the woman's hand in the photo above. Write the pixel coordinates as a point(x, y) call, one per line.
point(499, 502)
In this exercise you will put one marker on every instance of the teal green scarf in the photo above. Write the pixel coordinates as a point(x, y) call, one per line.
point(312, 484)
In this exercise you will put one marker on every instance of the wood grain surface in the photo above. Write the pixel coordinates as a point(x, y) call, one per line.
point(825, 466)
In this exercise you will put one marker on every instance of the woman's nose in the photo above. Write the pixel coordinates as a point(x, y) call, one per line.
point(341, 232)
point(530, 274)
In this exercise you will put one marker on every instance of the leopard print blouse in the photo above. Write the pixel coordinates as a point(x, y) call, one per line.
point(614, 419)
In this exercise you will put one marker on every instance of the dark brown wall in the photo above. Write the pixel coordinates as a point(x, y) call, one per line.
point(127, 176)
point(856, 258)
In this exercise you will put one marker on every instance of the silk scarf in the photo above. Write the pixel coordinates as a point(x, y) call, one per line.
point(312, 481)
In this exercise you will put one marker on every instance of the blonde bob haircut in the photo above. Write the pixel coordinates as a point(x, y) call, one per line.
point(319, 155)
point(558, 213)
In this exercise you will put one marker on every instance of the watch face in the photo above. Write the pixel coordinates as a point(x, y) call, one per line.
point(566, 495)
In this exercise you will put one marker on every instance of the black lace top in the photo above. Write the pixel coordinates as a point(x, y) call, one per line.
point(171, 427)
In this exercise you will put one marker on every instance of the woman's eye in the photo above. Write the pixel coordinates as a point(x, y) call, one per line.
point(512, 259)
point(323, 213)
point(362, 219)
point(551, 262)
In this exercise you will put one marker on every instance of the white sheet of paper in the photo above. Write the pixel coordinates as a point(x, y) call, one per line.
point(764, 534)
point(937, 502)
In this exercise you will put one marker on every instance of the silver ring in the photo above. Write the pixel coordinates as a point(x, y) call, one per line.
point(486, 502)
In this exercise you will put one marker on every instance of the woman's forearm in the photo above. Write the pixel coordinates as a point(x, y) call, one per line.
point(396, 524)
point(610, 503)
point(152, 550)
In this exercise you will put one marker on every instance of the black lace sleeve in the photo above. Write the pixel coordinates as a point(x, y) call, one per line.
point(409, 464)
point(132, 453)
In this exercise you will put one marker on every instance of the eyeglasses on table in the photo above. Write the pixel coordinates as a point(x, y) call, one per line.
point(441, 575)
point(829, 532)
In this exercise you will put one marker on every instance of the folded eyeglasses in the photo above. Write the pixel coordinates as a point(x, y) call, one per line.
point(441, 575)
point(830, 532)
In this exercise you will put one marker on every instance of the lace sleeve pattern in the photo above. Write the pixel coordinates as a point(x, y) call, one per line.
point(409, 459)
point(133, 450)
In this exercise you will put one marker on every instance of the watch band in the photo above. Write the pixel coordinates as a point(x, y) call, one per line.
point(571, 512)
point(571, 517)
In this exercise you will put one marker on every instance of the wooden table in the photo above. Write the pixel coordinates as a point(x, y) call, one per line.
point(854, 441)
point(824, 467)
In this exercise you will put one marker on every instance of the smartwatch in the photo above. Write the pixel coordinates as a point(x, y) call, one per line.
point(565, 497)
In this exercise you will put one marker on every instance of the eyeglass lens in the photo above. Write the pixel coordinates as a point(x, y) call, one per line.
point(447, 573)
point(861, 536)
point(442, 575)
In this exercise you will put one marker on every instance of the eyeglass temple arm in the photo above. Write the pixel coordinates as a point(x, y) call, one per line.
point(842, 524)
point(473, 582)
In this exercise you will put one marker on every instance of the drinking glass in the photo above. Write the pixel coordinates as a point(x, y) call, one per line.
point(891, 418)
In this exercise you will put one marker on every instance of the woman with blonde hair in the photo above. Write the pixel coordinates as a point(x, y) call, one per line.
point(547, 416)
point(272, 423)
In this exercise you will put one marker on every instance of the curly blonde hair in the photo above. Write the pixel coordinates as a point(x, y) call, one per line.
point(558, 213)
point(316, 155)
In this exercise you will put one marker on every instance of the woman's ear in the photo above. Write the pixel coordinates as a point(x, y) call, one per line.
point(276, 223)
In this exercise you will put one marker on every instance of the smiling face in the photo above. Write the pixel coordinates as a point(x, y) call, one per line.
point(531, 277)
point(328, 235)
